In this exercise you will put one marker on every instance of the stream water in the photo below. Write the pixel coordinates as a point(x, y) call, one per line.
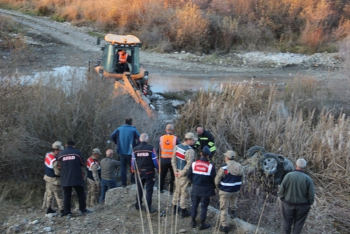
point(172, 81)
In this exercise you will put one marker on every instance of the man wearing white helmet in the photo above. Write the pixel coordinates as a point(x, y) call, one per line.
point(53, 181)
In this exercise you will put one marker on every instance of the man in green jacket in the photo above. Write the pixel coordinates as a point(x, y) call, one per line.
point(297, 195)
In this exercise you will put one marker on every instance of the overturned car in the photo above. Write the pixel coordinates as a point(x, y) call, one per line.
point(272, 165)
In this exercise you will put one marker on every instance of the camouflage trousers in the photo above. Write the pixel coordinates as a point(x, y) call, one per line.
point(228, 201)
point(92, 192)
point(53, 189)
point(180, 192)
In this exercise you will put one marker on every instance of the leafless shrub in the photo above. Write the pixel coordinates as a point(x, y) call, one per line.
point(35, 115)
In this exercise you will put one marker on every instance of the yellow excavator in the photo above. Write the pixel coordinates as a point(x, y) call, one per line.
point(128, 75)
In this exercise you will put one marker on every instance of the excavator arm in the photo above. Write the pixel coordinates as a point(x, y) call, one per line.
point(130, 87)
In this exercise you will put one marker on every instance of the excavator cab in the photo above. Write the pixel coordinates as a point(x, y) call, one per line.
point(133, 79)
point(109, 64)
point(110, 60)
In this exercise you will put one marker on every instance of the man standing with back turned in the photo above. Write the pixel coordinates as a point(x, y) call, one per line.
point(71, 164)
point(53, 181)
point(93, 171)
point(125, 138)
point(228, 180)
point(297, 195)
point(167, 144)
point(202, 174)
point(109, 168)
point(144, 161)
point(182, 158)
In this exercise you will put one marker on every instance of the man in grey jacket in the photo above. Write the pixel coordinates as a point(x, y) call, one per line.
point(109, 168)
point(297, 195)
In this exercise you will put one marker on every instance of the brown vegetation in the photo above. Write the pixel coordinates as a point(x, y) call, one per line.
point(242, 116)
point(201, 25)
point(304, 121)
point(35, 113)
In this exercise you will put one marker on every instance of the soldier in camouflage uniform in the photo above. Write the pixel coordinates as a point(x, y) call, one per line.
point(53, 181)
point(182, 158)
point(93, 170)
point(229, 180)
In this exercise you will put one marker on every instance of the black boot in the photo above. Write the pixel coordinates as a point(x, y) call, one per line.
point(50, 210)
point(223, 229)
point(194, 223)
point(177, 209)
point(185, 213)
point(204, 225)
point(233, 214)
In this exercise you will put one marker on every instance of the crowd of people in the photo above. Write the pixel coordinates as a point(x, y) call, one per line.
point(65, 170)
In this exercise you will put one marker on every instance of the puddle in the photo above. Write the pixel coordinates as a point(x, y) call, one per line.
point(65, 77)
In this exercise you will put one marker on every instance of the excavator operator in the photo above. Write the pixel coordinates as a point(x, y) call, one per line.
point(123, 59)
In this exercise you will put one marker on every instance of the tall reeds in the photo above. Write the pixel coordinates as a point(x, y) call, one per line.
point(243, 115)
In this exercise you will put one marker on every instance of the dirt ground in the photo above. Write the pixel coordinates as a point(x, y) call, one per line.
point(119, 216)
point(53, 44)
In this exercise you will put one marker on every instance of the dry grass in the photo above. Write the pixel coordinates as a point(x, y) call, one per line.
point(292, 25)
point(241, 116)
point(37, 114)
point(34, 115)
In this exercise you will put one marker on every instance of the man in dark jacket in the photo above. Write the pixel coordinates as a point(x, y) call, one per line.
point(202, 174)
point(297, 195)
point(71, 164)
point(205, 138)
point(125, 137)
point(144, 161)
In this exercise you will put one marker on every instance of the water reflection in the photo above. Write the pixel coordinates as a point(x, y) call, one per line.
point(160, 81)
point(165, 82)
point(65, 77)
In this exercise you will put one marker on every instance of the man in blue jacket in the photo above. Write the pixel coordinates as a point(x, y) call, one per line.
point(125, 137)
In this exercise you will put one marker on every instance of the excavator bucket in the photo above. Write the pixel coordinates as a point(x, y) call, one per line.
point(129, 86)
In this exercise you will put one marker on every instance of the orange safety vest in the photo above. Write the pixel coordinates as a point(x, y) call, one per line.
point(122, 58)
point(167, 145)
